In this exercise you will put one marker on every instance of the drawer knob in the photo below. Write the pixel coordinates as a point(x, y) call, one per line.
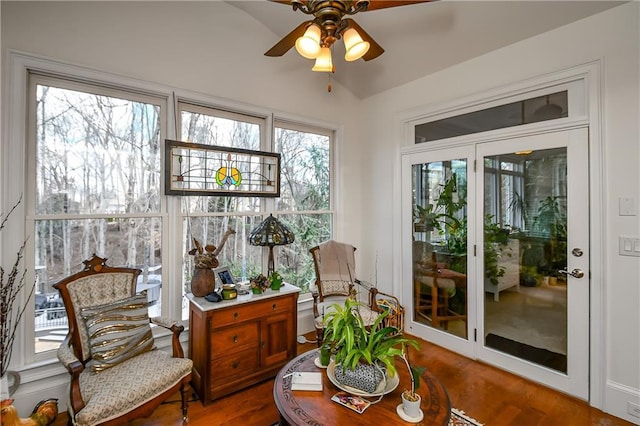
point(274, 306)
point(236, 364)
point(235, 315)
point(235, 339)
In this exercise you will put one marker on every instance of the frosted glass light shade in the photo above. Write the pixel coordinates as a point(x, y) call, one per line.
point(308, 46)
point(323, 61)
point(354, 45)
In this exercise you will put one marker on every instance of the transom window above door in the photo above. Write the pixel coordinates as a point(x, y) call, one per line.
point(532, 110)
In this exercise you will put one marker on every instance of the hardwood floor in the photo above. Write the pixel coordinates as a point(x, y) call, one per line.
point(492, 396)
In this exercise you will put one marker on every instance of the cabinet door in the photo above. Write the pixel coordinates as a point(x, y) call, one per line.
point(276, 339)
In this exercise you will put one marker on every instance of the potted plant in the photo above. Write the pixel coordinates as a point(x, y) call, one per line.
point(259, 284)
point(363, 356)
point(551, 223)
point(275, 280)
point(496, 240)
point(426, 218)
point(410, 397)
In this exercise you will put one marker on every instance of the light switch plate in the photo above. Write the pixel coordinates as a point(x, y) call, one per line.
point(629, 246)
point(626, 206)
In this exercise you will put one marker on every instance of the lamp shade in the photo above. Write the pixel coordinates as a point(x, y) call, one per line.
point(308, 46)
point(271, 232)
point(323, 61)
point(354, 45)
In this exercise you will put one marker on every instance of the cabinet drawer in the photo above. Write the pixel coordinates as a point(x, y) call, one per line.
point(237, 314)
point(227, 341)
point(235, 366)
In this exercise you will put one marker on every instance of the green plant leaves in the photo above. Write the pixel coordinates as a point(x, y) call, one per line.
point(353, 343)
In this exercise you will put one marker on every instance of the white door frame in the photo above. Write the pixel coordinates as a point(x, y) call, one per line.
point(588, 108)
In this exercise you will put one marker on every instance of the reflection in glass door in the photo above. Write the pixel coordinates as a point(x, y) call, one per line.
point(525, 245)
point(439, 245)
point(534, 314)
point(491, 230)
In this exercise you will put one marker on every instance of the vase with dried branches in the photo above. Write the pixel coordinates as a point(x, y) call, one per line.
point(11, 311)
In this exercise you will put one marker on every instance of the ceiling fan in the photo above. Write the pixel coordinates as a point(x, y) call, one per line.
point(313, 39)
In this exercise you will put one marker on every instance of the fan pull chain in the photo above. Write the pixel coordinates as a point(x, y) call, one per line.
point(333, 70)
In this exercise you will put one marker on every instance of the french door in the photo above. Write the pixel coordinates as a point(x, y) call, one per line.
point(497, 258)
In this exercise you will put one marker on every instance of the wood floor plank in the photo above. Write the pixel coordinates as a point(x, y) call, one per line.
point(492, 396)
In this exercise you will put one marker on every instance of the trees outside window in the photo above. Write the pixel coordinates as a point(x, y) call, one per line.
point(95, 177)
point(305, 197)
point(303, 205)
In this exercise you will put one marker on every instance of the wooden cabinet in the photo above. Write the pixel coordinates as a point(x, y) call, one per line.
point(237, 343)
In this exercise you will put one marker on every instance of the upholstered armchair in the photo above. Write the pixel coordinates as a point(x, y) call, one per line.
point(117, 374)
point(336, 280)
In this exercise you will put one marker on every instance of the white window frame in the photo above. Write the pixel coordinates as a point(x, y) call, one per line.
point(15, 170)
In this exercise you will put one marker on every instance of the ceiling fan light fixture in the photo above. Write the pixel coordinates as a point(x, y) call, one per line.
point(354, 45)
point(323, 61)
point(308, 46)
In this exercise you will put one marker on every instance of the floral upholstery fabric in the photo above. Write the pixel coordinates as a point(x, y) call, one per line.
point(368, 316)
point(66, 355)
point(98, 290)
point(335, 287)
point(118, 390)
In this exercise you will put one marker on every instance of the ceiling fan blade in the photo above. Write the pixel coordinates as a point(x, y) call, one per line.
point(287, 2)
point(373, 4)
point(383, 4)
point(288, 41)
point(375, 49)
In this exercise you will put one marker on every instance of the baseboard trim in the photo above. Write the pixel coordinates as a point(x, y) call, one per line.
point(616, 399)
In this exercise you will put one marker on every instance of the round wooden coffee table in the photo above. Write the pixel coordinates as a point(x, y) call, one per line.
point(316, 408)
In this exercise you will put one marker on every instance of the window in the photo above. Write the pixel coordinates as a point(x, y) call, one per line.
point(540, 108)
point(305, 196)
point(303, 205)
point(209, 219)
point(96, 174)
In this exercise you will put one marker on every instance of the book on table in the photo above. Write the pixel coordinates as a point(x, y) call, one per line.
point(303, 380)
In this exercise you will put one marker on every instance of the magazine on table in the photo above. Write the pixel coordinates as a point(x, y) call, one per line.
point(353, 402)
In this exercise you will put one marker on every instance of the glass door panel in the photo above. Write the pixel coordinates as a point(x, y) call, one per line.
point(439, 245)
point(525, 245)
point(534, 315)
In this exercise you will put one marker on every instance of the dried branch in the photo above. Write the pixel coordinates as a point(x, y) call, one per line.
point(11, 310)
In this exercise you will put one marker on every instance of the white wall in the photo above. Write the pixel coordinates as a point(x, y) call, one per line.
point(611, 37)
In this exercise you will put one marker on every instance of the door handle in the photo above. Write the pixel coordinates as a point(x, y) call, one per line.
point(575, 273)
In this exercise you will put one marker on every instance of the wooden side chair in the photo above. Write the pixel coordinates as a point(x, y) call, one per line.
point(334, 284)
point(434, 285)
point(116, 373)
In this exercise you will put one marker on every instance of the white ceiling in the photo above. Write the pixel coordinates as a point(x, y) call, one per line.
point(424, 38)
